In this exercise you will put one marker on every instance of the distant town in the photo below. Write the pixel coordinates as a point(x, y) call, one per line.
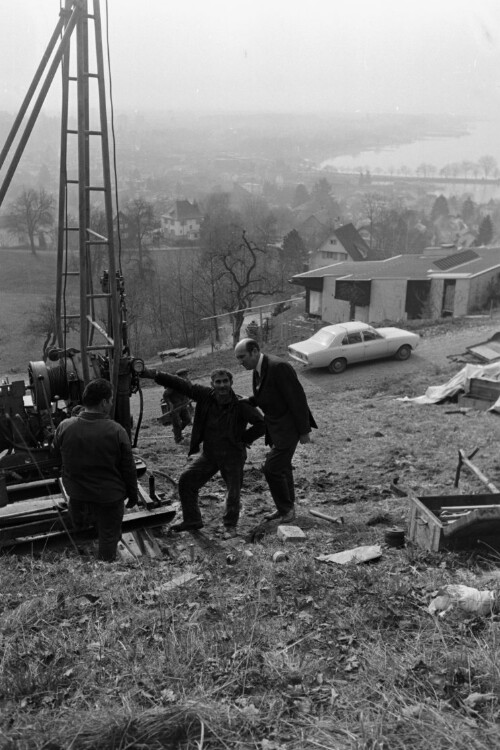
point(202, 196)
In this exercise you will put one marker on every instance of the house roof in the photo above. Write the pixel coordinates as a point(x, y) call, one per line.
point(456, 259)
point(353, 242)
point(183, 210)
point(417, 267)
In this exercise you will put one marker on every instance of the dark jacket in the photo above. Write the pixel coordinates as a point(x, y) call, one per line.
point(241, 413)
point(282, 399)
point(97, 461)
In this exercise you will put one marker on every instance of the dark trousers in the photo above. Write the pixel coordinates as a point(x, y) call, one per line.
point(279, 475)
point(180, 419)
point(200, 472)
point(106, 518)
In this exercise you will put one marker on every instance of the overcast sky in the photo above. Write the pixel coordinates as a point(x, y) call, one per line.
point(429, 56)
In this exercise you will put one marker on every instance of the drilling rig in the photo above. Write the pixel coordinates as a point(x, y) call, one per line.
point(90, 334)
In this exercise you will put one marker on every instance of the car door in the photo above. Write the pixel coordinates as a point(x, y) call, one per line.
point(353, 347)
point(375, 345)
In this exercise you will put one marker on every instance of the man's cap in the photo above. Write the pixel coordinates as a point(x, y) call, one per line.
point(181, 372)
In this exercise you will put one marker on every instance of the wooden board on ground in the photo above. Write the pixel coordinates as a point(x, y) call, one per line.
point(24, 540)
point(138, 543)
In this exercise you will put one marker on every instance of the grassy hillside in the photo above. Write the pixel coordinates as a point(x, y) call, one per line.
point(25, 282)
point(260, 655)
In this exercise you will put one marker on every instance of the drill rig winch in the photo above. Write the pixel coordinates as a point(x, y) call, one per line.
point(91, 342)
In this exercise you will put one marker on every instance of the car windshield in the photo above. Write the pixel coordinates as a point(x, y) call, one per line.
point(324, 338)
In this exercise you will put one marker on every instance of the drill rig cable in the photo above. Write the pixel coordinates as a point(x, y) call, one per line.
point(139, 419)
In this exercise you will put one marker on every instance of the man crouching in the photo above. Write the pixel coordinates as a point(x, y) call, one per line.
point(220, 425)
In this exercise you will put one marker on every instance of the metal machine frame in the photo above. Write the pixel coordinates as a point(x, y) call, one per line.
point(103, 344)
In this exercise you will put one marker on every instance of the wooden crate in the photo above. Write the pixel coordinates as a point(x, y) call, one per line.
point(482, 388)
point(480, 526)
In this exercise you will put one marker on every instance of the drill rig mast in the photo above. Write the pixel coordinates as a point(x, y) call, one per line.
point(90, 278)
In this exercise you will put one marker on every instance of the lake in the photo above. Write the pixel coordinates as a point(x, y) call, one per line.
point(483, 138)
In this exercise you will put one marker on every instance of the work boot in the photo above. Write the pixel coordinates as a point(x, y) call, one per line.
point(287, 517)
point(273, 516)
point(186, 526)
point(229, 532)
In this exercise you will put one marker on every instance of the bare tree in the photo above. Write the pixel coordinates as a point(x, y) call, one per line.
point(250, 275)
point(139, 219)
point(44, 324)
point(29, 214)
point(488, 164)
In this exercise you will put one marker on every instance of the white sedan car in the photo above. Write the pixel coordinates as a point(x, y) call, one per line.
point(340, 345)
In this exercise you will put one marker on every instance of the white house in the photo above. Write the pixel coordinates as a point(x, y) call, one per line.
point(434, 284)
point(344, 243)
point(183, 221)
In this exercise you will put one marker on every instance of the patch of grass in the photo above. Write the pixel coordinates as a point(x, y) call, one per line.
point(263, 655)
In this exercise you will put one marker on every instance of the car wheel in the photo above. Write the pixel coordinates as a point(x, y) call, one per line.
point(337, 366)
point(403, 352)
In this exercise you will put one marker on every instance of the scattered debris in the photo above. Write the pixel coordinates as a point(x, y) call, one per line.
point(486, 351)
point(175, 583)
point(355, 555)
point(175, 353)
point(290, 533)
point(458, 384)
point(395, 537)
point(325, 517)
point(279, 556)
point(465, 598)
point(476, 699)
point(451, 522)
point(466, 460)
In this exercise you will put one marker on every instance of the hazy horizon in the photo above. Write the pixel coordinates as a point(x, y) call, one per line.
point(433, 57)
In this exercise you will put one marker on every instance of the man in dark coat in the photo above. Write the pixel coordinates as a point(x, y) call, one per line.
point(278, 393)
point(98, 468)
point(220, 424)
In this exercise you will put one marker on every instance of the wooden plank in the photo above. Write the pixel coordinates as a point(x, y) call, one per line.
point(465, 461)
point(425, 527)
point(128, 549)
point(147, 544)
point(482, 388)
point(480, 517)
point(174, 583)
point(479, 404)
point(356, 555)
point(54, 530)
point(325, 517)
point(460, 508)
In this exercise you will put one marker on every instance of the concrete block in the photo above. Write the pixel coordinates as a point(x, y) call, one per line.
point(290, 533)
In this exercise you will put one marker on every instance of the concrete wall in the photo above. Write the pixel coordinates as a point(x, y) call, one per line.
point(387, 302)
point(435, 299)
point(461, 306)
point(470, 294)
point(333, 310)
point(388, 299)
